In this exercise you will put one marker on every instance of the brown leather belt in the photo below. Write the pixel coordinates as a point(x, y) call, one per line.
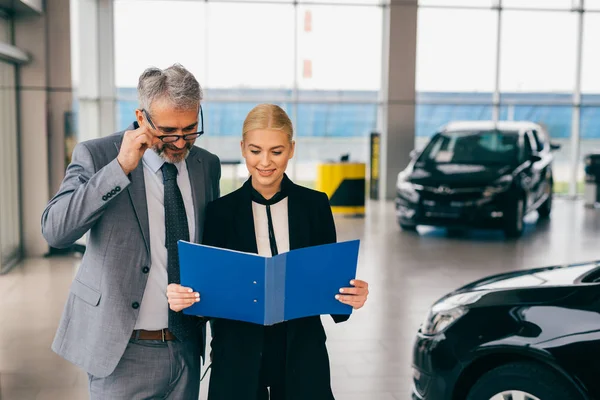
point(163, 335)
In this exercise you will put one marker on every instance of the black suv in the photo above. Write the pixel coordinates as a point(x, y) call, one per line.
point(479, 174)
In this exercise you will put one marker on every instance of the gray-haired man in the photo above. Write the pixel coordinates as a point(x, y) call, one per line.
point(137, 192)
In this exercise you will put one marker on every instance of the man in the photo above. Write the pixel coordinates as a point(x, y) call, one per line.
point(137, 192)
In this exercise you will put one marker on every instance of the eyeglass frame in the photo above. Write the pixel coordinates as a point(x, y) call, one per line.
point(187, 137)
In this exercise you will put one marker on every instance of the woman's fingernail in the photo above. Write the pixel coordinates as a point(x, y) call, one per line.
point(337, 296)
point(352, 282)
point(190, 290)
point(341, 290)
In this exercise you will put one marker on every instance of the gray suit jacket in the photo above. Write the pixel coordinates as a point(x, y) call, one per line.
point(97, 197)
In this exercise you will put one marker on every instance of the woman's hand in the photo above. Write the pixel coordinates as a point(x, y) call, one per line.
point(181, 297)
point(354, 296)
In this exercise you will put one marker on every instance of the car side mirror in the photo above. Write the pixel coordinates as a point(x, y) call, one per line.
point(554, 146)
point(535, 158)
point(414, 154)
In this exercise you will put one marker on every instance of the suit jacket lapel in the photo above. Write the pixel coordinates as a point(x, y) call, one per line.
point(298, 221)
point(196, 174)
point(244, 220)
point(137, 194)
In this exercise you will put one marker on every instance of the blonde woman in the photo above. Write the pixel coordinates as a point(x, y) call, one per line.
point(269, 215)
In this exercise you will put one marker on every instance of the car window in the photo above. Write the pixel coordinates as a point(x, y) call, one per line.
point(472, 147)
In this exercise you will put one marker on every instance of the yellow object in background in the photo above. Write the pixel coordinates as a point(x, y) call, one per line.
point(344, 184)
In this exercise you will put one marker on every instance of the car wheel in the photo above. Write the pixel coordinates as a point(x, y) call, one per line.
point(522, 381)
point(513, 219)
point(546, 208)
point(455, 232)
point(409, 228)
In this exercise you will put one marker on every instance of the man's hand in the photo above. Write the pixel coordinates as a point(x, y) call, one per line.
point(134, 144)
point(354, 296)
point(181, 297)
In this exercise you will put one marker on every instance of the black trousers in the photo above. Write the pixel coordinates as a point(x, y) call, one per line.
point(272, 369)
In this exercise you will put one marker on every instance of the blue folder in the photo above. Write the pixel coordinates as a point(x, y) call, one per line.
point(268, 290)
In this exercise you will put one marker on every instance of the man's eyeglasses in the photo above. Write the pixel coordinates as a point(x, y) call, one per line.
point(174, 138)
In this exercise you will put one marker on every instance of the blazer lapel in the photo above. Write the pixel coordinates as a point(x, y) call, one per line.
point(137, 194)
point(298, 221)
point(196, 174)
point(244, 220)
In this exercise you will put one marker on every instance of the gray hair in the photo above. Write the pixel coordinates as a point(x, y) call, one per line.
point(174, 84)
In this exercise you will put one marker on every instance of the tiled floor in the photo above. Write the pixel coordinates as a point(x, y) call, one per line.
point(370, 354)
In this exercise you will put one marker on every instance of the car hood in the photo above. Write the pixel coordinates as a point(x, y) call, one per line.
point(456, 175)
point(547, 276)
point(533, 285)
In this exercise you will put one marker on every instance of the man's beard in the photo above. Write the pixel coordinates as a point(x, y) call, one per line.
point(170, 158)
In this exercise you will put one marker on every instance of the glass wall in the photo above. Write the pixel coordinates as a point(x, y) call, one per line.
point(516, 59)
point(592, 4)
point(453, 82)
point(10, 228)
point(5, 28)
point(590, 86)
point(320, 61)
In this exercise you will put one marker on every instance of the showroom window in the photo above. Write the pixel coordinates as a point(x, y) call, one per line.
point(283, 54)
point(513, 60)
point(10, 223)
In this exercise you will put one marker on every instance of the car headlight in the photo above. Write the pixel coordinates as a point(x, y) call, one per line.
point(407, 189)
point(448, 311)
point(437, 322)
point(500, 185)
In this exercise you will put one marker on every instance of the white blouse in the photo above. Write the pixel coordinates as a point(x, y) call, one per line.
point(279, 215)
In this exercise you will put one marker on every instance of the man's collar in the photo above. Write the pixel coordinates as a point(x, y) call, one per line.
point(153, 160)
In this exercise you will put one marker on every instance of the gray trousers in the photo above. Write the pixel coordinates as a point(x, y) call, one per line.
point(151, 369)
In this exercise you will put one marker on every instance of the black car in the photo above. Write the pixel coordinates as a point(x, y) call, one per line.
point(478, 174)
point(529, 335)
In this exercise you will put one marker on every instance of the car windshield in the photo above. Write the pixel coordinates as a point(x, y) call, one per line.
point(472, 147)
point(590, 276)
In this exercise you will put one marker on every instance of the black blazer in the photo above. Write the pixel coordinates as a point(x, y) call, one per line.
point(237, 346)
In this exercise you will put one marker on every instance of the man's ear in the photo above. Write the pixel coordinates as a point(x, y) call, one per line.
point(139, 116)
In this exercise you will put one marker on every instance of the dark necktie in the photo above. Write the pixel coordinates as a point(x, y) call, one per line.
point(176, 228)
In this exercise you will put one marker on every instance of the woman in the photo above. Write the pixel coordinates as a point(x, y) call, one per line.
point(269, 215)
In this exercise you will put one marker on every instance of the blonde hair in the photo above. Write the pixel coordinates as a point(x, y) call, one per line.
point(268, 116)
